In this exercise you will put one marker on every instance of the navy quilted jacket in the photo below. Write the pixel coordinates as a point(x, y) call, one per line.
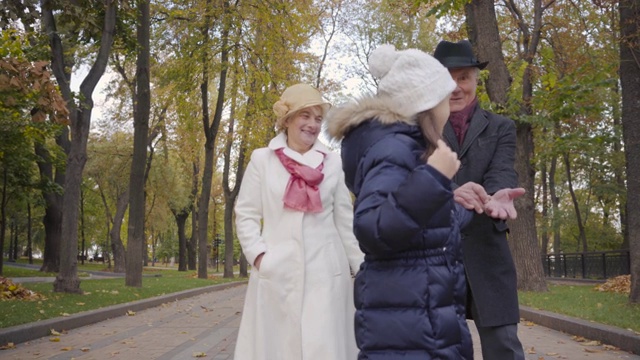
point(410, 291)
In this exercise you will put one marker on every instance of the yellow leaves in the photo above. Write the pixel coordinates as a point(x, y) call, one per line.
point(585, 342)
point(131, 313)
point(8, 346)
point(54, 333)
point(199, 354)
point(619, 284)
point(11, 291)
point(54, 339)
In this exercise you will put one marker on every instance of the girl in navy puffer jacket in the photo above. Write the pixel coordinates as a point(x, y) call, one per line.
point(410, 291)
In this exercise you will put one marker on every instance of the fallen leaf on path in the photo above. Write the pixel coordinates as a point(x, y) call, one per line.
point(68, 348)
point(8, 346)
point(531, 350)
point(55, 333)
point(529, 323)
point(592, 350)
point(199, 354)
point(592, 343)
point(610, 347)
point(54, 339)
point(85, 349)
point(131, 313)
point(552, 354)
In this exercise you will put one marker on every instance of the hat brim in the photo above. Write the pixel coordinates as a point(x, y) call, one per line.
point(324, 105)
point(452, 63)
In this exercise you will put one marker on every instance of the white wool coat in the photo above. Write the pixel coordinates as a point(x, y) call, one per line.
point(299, 305)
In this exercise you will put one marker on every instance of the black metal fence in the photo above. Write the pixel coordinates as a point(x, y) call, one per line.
point(589, 265)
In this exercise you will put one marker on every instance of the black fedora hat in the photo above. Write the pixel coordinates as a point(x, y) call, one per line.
point(457, 55)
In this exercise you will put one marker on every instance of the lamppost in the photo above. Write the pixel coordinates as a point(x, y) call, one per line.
point(216, 245)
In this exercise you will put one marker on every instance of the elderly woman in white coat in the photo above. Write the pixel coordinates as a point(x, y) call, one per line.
point(294, 219)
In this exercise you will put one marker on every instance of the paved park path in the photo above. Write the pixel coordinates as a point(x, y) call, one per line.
point(205, 326)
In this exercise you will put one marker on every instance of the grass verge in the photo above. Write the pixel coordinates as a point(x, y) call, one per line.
point(587, 303)
point(97, 294)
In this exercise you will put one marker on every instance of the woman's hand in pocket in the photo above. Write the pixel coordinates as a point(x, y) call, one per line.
point(257, 262)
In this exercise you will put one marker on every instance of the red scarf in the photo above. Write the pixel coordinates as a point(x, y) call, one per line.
point(302, 191)
point(460, 120)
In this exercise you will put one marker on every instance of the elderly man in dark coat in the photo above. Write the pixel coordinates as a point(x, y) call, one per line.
point(485, 144)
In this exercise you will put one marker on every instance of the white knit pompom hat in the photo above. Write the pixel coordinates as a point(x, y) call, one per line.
point(413, 79)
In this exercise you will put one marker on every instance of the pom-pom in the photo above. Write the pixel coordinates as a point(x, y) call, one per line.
point(381, 60)
point(281, 108)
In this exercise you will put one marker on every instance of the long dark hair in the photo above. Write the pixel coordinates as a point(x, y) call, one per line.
point(431, 134)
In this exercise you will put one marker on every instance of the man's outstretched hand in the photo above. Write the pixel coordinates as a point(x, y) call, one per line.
point(500, 206)
point(471, 196)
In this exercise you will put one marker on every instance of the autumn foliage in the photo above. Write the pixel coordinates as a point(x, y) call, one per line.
point(619, 284)
point(11, 291)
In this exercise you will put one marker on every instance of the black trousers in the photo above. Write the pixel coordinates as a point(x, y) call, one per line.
point(497, 342)
point(500, 343)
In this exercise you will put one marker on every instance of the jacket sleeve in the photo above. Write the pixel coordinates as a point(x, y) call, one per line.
point(248, 211)
point(501, 173)
point(396, 199)
point(343, 219)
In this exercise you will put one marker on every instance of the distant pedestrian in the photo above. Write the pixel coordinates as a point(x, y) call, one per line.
point(294, 220)
point(410, 291)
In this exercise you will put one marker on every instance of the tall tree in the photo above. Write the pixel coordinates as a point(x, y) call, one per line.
point(210, 126)
point(630, 84)
point(80, 119)
point(142, 107)
point(482, 27)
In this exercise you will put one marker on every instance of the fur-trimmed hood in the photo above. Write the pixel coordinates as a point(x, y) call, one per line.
point(342, 119)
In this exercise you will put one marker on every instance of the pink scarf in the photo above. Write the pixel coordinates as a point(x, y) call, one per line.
point(302, 191)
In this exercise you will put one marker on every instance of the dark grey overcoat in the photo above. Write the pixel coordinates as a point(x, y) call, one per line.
point(487, 157)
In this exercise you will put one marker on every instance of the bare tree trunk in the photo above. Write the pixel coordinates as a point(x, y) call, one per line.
point(193, 241)
point(136, 238)
point(82, 233)
point(244, 271)
point(181, 219)
point(618, 172)
point(482, 27)
point(3, 216)
point(211, 131)
point(555, 204)
point(52, 220)
point(114, 226)
point(117, 247)
point(544, 197)
point(29, 234)
point(630, 84)
point(80, 119)
point(582, 237)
